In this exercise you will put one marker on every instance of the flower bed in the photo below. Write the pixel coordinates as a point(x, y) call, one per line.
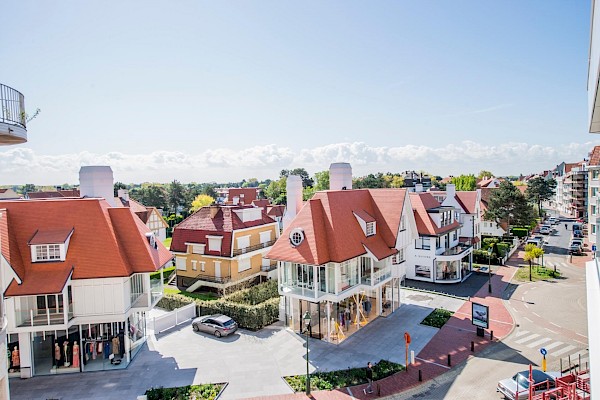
point(437, 318)
point(343, 378)
point(208, 391)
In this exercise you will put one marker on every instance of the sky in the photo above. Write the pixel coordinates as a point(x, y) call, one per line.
point(213, 91)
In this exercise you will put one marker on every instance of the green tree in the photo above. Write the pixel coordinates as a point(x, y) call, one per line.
point(532, 252)
point(176, 197)
point(322, 180)
point(539, 190)
point(117, 186)
point(483, 173)
point(200, 201)
point(276, 191)
point(28, 188)
point(508, 204)
point(465, 182)
point(150, 196)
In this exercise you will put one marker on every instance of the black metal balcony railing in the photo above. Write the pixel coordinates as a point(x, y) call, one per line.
point(12, 106)
point(237, 252)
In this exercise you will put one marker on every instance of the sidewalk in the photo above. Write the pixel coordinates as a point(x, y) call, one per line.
point(453, 339)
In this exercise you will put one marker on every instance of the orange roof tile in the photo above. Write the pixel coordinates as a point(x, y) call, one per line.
point(332, 232)
point(467, 200)
point(106, 242)
point(595, 156)
point(52, 275)
point(51, 236)
point(421, 203)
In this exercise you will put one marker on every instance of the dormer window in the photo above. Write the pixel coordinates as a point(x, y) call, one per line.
point(50, 245)
point(47, 252)
point(370, 229)
point(296, 237)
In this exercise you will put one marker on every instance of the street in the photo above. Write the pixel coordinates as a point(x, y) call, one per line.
point(547, 314)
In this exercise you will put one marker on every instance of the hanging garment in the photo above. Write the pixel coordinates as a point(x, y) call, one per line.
point(100, 348)
point(75, 355)
point(106, 349)
point(56, 354)
point(121, 343)
point(93, 350)
point(115, 345)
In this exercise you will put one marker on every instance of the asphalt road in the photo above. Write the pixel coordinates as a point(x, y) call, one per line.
point(547, 314)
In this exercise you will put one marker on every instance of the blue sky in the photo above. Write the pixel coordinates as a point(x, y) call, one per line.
point(219, 91)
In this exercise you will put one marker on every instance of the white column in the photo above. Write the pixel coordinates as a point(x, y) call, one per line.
point(315, 281)
point(25, 354)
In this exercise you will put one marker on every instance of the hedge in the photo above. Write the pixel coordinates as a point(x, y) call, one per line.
point(481, 257)
point(192, 392)
point(166, 273)
point(252, 308)
point(520, 232)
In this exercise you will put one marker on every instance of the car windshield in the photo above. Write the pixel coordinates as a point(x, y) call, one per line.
point(521, 380)
point(228, 323)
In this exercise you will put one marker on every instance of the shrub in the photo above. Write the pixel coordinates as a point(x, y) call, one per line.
point(343, 378)
point(503, 249)
point(481, 257)
point(166, 273)
point(520, 232)
point(192, 392)
point(256, 294)
point(437, 318)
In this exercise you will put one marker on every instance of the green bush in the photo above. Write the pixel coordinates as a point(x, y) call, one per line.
point(437, 318)
point(489, 241)
point(343, 378)
point(503, 248)
point(166, 272)
point(191, 392)
point(520, 232)
point(252, 308)
point(481, 257)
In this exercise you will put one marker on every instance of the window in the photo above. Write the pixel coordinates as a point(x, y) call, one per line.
point(180, 263)
point(243, 242)
point(398, 258)
point(422, 271)
point(194, 263)
point(370, 228)
point(595, 174)
point(593, 229)
point(198, 248)
point(265, 237)
point(214, 243)
point(422, 243)
point(244, 264)
point(594, 192)
point(455, 235)
point(403, 223)
point(296, 237)
point(202, 265)
point(593, 210)
point(47, 252)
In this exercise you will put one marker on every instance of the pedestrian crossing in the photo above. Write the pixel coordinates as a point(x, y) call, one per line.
point(555, 348)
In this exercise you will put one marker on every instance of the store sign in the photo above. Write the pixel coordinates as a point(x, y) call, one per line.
point(480, 315)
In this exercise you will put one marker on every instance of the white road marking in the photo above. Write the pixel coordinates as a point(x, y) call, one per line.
point(526, 305)
point(522, 298)
point(564, 350)
point(556, 325)
point(553, 345)
point(538, 342)
point(521, 333)
point(528, 319)
point(550, 330)
point(431, 362)
point(536, 314)
point(581, 335)
point(527, 339)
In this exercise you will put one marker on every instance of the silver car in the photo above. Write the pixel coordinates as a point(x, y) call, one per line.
point(218, 325)
point(517, 387)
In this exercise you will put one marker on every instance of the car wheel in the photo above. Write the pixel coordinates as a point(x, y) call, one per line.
point(217, 333)
point(195, 327)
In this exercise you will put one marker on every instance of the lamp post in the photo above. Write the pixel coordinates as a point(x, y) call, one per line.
point(490, 269)
point(306, 319)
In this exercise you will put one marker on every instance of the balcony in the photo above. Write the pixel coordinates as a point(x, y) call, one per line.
point(455, 253)
point(13, 128)
point(249, 249)
point(42, 317)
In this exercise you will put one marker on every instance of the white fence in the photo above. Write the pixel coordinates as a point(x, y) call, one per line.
point(174, 318)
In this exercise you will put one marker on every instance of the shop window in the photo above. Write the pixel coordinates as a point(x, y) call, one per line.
point(423, 271)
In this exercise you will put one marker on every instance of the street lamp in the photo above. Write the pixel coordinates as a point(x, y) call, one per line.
point(490, 269)
point(306, 319)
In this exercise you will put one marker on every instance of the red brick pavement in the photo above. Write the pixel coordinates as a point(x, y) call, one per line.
point(453, 338)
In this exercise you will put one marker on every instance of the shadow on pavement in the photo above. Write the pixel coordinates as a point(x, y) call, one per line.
point(464, 289)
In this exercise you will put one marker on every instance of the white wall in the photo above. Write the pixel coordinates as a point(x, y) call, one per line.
point(593, 300)
point(491, 228)
point(93, 297)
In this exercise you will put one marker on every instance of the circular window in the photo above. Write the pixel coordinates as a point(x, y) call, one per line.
point(296, 237)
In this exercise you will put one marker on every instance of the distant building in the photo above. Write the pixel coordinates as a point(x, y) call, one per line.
point(8, 194)
point(416, 182)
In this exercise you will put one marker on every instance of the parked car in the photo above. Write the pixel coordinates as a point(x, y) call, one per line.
point(517, 387)
point(545, 229)
point(577, 227)
point(578, 234)
point(218, 325)
point(552, 221)
point(575, 249)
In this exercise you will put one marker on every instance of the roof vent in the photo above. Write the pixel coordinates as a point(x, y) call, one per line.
point(151, 240)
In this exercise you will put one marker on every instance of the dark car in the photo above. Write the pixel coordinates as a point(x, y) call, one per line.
point(578, 234)
point(218, 325)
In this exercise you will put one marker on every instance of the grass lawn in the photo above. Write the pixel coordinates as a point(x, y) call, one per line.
point(538, 273)
point(201, 296)
point(437, 318)
point(167, 242)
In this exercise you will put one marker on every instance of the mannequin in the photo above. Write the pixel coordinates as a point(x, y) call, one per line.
point(16, 359)
point(116, 344)
point(66, 353)
point(75, 355)
point(56, 355)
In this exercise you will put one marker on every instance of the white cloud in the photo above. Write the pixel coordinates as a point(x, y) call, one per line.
point(23, 165)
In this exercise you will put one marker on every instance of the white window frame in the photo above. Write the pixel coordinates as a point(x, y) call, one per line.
point(47, 252)
point(243, 242)
point(403, 223)
point(214, 243)
point(244, 264)
point(194, 265)
point(370, 228)
point(265, 237)
point(181, 263)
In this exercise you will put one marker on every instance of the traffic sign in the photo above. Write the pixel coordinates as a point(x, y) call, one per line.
point(543, 351)
point(406, 337)
point(593, 247)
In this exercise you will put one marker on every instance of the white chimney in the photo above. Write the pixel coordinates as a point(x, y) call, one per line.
point(97, 181)
point(293, 188)
point(419, 187)
point(123, 194)
point(340, 176)
point(450, 190)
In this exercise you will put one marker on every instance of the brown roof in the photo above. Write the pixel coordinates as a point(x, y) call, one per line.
point(467, 200)
point(595, 156)
point(276, 210)
point(43, 195)
point(332, 232)
point(51, 236)
point(362, 214)
point(421, 204)
point(106, 242)
point(249, 194)
point(197, 226)
point(54, 278)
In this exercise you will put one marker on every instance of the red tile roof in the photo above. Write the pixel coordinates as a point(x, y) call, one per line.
point(421, 203)
point(467, 200)
point(595, 156)
point(362, 214)
point(43, 195)
point(249, 194)
point(106, 242)
point(51, 236)
point(332, 232)
point(197, 226)
point(276, 210)
point(53, 275)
